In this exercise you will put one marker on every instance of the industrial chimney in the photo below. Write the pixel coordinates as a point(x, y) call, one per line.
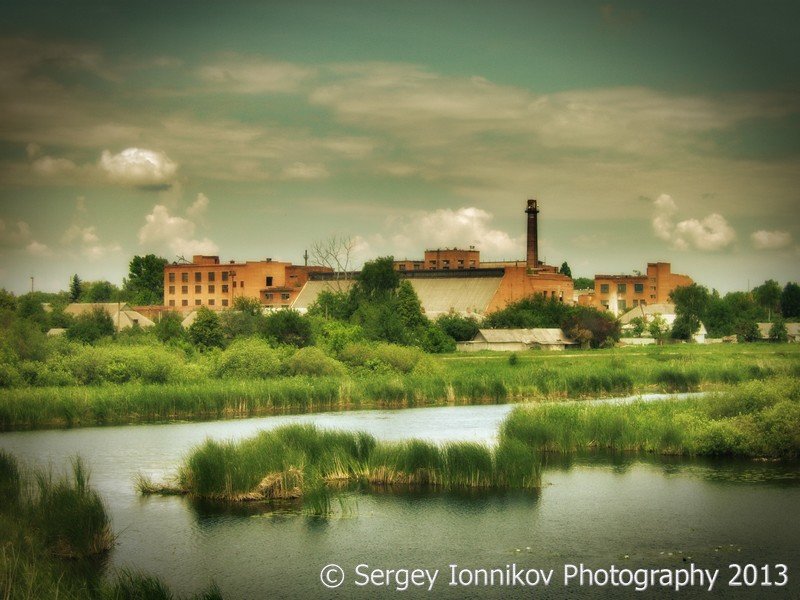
point(533, 235)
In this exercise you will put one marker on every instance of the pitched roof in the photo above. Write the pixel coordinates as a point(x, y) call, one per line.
point(541, 336)
point(647, 310)
point(80, 308)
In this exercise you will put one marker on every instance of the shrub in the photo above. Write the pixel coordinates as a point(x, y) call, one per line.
point(248, 358)
point(313, 361)
point(287, 327)
point(436, 341)
point(169, 327)
point(461, 329)
point(206, 332)
point(91, 326)
point(376, 354)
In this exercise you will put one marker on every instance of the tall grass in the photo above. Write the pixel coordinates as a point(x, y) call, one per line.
point(383, 376)
point(301, 461)
point(755, 419)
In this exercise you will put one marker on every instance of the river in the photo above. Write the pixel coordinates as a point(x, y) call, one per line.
point(633, 512)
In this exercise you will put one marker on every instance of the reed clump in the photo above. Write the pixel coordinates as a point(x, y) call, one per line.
point(754, 419)
point(296, 461)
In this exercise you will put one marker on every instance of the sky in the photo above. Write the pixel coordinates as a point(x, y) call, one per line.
point(648, 131)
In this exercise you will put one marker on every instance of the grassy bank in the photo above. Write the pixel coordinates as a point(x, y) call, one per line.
point(302, 462)
point(755, 419)
point(234, 384)
point(55, 533)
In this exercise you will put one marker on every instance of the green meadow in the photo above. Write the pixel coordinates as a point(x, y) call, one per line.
point(116, 383)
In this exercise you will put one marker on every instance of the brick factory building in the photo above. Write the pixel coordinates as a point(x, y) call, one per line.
point(619, 293)
point(207, 282)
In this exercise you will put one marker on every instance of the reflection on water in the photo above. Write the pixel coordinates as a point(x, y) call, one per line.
point(596, 508)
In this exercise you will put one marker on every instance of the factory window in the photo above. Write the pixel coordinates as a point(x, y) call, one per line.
point(224, 276)
point(184, 278)
point(269, 281)
point(461, 261)
point(603, 288)
point(284, 296)
point(184, 303)
point(211, 302)
point(635, 303)
point(268, 296)
point(172, 302)
point(638, 288)
point(198, 289)
point(172, 277)
point(224, 302)
point(212, 275)
point(224, 288)
point(198, 276)
point(184, 289)
point(197, 302)
point(234, 284)
point(652, 296)
point(604, 303)
point(446, 263)
point(212, 289)
point(417, 266)
point(401, 267)
point(172, 289)
point(241, 284)
point(622, 288)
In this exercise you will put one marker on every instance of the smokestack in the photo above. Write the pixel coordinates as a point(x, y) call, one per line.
point(533, 235)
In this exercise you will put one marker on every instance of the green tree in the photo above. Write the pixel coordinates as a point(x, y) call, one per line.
point(206, 331)
point(638, 326)
point(409, 308)
point(747, 331)
point(169, 327)
point(29, 306)
point(377, 279)
point(145, 281)
point(685, 326)
point(565, 270)
point(778, 331)
point(100, 291)
point(7, 300)
point(790, 301)
point(583, 283)
point(691, 301)
point(75, 288)
point(658, 328)
point(768, 297)
point(334, 304)
point(436, 341)
point(289, 327)
point(91, 326)
point(461, 329)
point(248, 305)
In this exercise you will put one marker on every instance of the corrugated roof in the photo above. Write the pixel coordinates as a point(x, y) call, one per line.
point(79, 308)
point(646, 311)
point(542, 336)
point(465, 295)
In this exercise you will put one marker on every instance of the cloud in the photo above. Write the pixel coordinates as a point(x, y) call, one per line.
point(14, 236)
point(443, 228)
point(770, 240)
point(708, 234)
point(38, 249)
point(251, 75)
point(87, 242)
point(138, 167)
point(163, 231)
point(49, 166)
point(301, 170)
point(199, 206)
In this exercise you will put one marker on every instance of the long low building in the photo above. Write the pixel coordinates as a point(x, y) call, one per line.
point(513, 340)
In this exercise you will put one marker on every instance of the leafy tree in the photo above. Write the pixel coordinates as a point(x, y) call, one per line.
point(778, 331)
point(248, 305)
point(91, 326)
point(583, 283)
point(768, 296)
point(685, 326)
point(790, 301)
point(658, 328)
point(169, 327)
point(7, 300)
point(691, 301)
point(565, 270)
point(436, 341)
point(638, 326)
point(289, 327)
point(75, 288)
point(100, 291)
point(145, 281)
point(534, 311)
point(29, 306)
point(409, 308)
point(206, 331)
point(377, 279)
point(333, 304)
point(461, 329)
point(604, 328)
point(747, 331)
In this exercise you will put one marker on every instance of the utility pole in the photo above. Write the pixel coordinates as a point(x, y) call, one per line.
point(31, 284)
point(305, 257)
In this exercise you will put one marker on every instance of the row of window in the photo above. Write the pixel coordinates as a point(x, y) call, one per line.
point(198, 289)
point(198, 276)
point(270, 296)
point(622, 288)
point(198, 302)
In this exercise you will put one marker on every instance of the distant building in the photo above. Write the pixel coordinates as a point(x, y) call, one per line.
point(792, 331)
point(208, 282)
point(510, 340)
point(648, 312)
point(123, 316)
point(620, 293)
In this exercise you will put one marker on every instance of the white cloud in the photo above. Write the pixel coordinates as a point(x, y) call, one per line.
point(84, 235)
point(38, 249)
point(139, 167)
point(47, 165)
point(443, 228)
point(708, 234)
point(175, 234)
point(199, 206)
point(249, 75)
point(771, 240)
point(87, 242)
point(16, 235)
point(301, 170)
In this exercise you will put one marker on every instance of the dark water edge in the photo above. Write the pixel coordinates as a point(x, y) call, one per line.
point(631, 511)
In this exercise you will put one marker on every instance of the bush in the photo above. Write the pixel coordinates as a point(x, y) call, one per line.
point(169, 327)
point(206, 332)
point(375, 354)
point(120, 364)
point(287, 327)
point(91, 326)
point(313, 361)
point(436, 341)
point(249, 358)
point(461, 329)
